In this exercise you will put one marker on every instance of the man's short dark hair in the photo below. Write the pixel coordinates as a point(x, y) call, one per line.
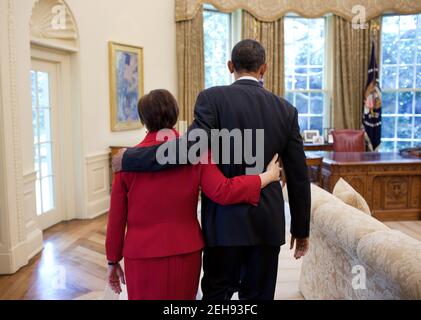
point(248, 55)
point(158, 110)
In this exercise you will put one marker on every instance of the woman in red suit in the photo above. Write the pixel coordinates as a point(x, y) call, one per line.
point(153, 216)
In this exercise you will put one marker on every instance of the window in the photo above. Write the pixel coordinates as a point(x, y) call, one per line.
point(218, 41)
point(401, 82)
point(41, 118)
point(305, 70)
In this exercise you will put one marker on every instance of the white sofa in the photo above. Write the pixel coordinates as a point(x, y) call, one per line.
point(354, 256)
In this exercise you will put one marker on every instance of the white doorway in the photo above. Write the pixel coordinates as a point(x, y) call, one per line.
point(45, 85)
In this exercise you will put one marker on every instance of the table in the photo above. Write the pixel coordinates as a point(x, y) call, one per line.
point(390, 183)
point(318, 147)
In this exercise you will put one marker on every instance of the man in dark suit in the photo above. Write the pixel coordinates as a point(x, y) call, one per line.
point(243, 242)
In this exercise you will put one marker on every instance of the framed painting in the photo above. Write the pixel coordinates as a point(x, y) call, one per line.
point(126, 85)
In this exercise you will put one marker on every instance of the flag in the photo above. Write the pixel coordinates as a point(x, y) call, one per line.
point(372, 117)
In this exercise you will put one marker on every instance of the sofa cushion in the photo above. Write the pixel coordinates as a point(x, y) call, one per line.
point(344, 191)
point(395, 256)
point(344, 225)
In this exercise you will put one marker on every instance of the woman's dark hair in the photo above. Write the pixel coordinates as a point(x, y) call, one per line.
point(248, 55)
point(158, 110)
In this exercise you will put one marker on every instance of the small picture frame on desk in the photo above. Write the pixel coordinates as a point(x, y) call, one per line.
point(318, 140)
point(309, 135)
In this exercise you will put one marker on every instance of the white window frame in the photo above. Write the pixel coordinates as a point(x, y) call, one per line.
point(327, 77)
point(397, 91)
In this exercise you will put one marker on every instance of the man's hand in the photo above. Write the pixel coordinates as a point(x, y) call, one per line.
point(301, 247)
point(115, 278)
point(117, 161)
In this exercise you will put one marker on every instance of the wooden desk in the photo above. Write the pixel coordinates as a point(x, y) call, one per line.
point(390, 183)
point(318, 147)
point(114, 151)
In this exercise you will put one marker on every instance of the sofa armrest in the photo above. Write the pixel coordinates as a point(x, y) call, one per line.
point(395, 256)
point(345, 225)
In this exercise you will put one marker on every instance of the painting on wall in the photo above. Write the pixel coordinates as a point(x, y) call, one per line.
point(126, 85)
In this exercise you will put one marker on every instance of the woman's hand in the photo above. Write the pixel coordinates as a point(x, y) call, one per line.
point(273, 172)
point(115, 278)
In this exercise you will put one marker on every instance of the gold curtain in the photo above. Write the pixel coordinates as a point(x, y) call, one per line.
point(190, 63)
point(271, 36)
point(351, 55)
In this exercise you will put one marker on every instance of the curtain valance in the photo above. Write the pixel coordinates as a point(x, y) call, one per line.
point(272, 10)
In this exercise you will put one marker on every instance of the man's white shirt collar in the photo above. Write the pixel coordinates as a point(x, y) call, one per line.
point(248, 78)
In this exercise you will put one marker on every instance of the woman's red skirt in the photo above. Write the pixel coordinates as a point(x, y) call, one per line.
point(169, 278)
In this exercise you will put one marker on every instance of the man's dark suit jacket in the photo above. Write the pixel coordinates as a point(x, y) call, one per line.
point(247, 105)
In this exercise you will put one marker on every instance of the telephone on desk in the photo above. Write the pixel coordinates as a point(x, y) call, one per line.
point(411, 152)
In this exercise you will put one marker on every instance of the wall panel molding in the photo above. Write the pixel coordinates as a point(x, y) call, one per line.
point(34, 237)
point(64, 34)
point(15, 122)
point(98, 184)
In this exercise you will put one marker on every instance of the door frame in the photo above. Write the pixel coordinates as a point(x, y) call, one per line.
point(64, 125)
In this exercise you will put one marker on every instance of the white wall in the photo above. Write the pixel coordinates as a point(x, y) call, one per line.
point(146, 23)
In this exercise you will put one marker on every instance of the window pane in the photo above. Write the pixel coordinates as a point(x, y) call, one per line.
point(389, 102)
point(419, 49)
point(408, 26)
point(389, 76)
point(417, 128)
point(389, 52)
point(47, 185)
point(407, 51)
point(43, 89)
point(44, 125)
point(217, 38)
point(388, 127)
point(418, 103)
point(316, 103)
point(46, 160)
point(35, 125)
point(405, 127)
point(303, 121)
point(316, 78)
point(388, 146)
point(403, 145)
point(316, 123)
point(301, 78)
point(405, 102)
point(406, 77)
point(301, 101)
point(290, 80)
point(418, 74)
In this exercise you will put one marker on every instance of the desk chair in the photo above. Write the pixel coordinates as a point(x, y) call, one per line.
point(349, 141)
